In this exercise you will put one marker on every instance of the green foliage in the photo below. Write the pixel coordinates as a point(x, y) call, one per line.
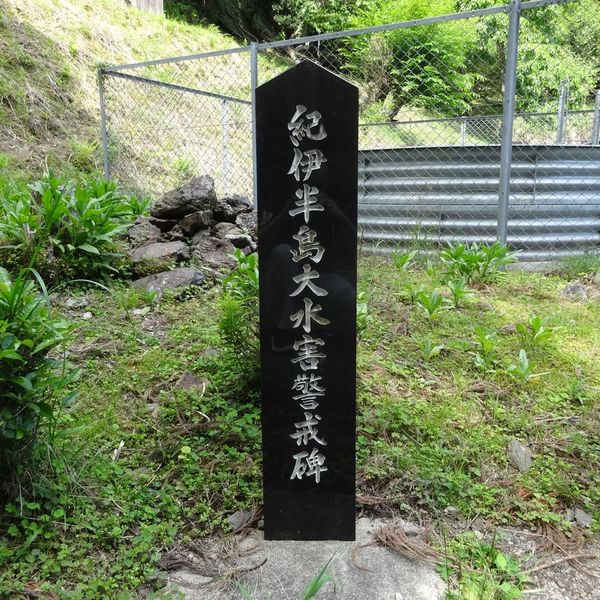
point(477, 570)
point(306, 17)
point(522, 370)
point(430, 350)
point(580, 265)
point(555, 46)
point(536, 332)
point(362, 313)
point(238, 319)
point(183, 10)
point(423, 66)
point(431, 302)
point(403, 260)
point(133, 299)
point(63, 228)
point(412, 292)
point(477, 262)
point(486, 355)
point(459, 291)
point(31, 381)
point(191, 456)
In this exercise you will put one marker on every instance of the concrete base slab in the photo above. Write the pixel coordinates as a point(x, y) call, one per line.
point(284, 569)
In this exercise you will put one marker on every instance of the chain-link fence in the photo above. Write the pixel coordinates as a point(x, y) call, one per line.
point(457, 141)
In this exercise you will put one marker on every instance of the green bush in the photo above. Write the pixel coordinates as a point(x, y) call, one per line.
point(31, 380)
point(65, 229)
point(423, 67)
point(477, 262)
point(238, 318)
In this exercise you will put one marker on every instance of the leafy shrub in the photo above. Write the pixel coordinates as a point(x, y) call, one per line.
point(536, 332)
point(403, 260)
point(431, 303)
point(486, 355)
point(65, 229)
point(30, 380)
point(523, 370)
point(423, 66)
point(458, 290)
point(477, 262)
point(431, 350)
point(238, 319)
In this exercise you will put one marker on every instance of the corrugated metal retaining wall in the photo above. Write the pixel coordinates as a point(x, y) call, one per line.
point(432, 196)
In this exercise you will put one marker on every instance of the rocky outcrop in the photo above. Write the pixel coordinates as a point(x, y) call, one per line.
point(143, 232)
point(163, 251)
point(227, 209)
point(171, 280)
point(197, 194)
point(190, 224)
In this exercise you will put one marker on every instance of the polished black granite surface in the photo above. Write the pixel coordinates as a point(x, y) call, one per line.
point(307, 134)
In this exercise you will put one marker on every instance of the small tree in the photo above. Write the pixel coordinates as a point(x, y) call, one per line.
point(422, 67)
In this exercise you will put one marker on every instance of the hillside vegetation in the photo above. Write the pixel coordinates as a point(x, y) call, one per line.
point(50, 51)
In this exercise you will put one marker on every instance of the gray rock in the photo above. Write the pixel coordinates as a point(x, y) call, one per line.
point(248, 222)
point(213, 251)
point(227, 209)
point(223, 229)
point(144, 590)
point(478, 525)
point(166, 251)
point(582, 518)
point(197, 194)
point(163, 224)
point(189, 381)
point(143, 232)
point(74, 302)
point(575, 291)
point(239, 519)
point(175, 235)
point(241, 241)
point(210, 353)
point(87, 316)
point(194, 222)
point(520, 456)
point(170, 280)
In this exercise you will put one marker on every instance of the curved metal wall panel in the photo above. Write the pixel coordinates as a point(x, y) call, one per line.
point(432, 196)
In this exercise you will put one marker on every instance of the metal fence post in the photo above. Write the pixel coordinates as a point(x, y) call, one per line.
point(463, 131)
point(225, 146)
point(508, 117)
point(563, 107)
point(596, 123)
point(254, 85)
point(103, 130)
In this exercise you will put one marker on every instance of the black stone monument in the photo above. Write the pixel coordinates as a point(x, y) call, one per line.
point(307, 136)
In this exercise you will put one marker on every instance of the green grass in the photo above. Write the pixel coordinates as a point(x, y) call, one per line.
point(448, 421)
point(431, 433)
point(49, 54)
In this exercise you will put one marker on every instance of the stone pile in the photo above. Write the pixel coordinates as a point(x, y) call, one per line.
point(190, 225)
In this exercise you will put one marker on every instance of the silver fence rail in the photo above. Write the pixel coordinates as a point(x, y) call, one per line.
point(447, 139)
